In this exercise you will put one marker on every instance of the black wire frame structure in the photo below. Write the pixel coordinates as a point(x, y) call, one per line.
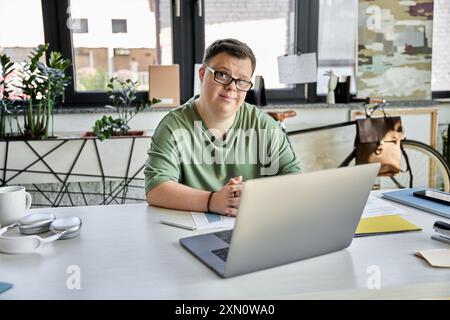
point(114, 189)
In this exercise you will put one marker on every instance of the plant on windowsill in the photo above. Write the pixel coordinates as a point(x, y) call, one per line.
point(123, 96)
point(6, 92)
point(40, 85)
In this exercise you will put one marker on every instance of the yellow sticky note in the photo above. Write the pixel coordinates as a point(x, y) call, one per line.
point(384, 224)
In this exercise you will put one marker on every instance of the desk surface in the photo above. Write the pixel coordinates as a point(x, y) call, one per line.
point(125, 253)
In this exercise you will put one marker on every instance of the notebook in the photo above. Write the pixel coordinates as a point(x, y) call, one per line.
point(405, 196)
point(5, 286)
point(384, 224)
point(197, 220)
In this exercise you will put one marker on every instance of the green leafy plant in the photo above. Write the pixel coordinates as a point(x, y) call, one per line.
point(106, 127)
point(123, 96)
point(41, 86)
point(6, 103)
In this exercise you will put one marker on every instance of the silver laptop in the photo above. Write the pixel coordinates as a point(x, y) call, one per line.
point(287, 218)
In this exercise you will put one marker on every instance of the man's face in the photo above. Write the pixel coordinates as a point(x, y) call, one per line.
point(224, 100)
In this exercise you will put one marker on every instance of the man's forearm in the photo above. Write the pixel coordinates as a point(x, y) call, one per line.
point(174, 195)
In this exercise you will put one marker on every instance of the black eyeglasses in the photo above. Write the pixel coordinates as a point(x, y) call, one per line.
point(225, 79)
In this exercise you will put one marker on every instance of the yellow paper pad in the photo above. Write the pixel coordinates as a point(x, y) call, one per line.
point(384, 224)
point(439, 258)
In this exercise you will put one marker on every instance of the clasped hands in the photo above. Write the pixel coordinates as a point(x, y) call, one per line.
point(226, 200)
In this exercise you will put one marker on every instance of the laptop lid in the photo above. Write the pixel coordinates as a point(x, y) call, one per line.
point(287, 218)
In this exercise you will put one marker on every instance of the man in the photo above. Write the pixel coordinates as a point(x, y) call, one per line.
point(202, 152)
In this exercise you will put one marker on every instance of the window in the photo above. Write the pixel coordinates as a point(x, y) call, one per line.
point(271, 29)
point(117, 38)
point(122, 51)
point(268, 28)
point(440, 74)
point(80, 25)
point(119, 25)
point(17, 42)
point(337, 41)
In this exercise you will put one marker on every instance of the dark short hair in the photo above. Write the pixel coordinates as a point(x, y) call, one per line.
point(233, 47)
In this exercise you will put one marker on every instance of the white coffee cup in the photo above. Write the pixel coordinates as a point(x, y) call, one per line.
point(14, 202)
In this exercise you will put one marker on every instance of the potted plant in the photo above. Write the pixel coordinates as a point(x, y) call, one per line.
point(123, 96)
point(40, 86)
point(6, 102)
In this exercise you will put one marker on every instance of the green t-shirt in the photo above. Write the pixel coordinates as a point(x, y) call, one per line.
point(185, 151)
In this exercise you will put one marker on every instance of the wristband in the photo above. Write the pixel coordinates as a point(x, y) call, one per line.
point(209, 200)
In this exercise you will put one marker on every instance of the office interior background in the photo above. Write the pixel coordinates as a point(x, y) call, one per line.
point(396, 50)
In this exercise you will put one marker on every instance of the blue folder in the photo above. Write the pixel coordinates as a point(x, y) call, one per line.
point(405, 196)
point(5, 286)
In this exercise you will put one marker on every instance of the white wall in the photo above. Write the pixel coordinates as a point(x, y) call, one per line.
point(84, 121)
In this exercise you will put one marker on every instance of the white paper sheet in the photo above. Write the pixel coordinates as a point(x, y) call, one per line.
point(378, 207)
point(212, 220)
point(297, 68)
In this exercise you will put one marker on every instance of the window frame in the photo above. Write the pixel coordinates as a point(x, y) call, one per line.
point(188, 47)
point(119, 20)
point(440, 94)
point(56, 33)
point(87, 25)
point(306, 40)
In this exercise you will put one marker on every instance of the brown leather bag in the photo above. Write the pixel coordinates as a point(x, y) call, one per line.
point(379, 140)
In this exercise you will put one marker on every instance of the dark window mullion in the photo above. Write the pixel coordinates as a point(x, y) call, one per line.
point(198, 38)
point(440, 94)
point(307, 28)
point(199, 30)
point(183, 45)
point(313, 43)
point(50, 20)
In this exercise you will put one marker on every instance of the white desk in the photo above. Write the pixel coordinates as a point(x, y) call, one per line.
point(124, 253)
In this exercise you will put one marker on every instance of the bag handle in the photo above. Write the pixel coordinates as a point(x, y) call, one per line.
point(408, 166)
point(372, 104)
